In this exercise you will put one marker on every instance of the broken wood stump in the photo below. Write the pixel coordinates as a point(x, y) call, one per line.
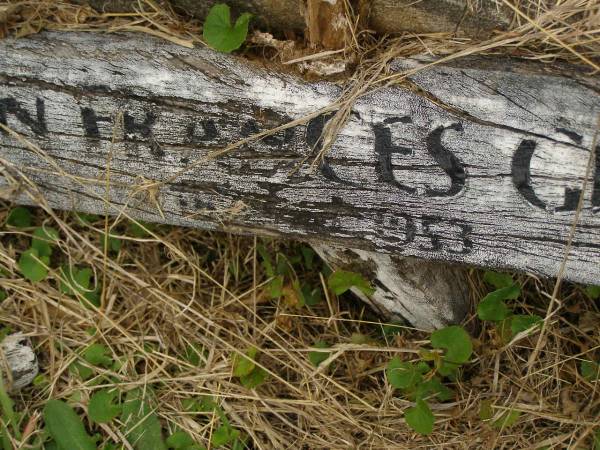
point(427, 294)
point(477, 162)
point(19, 363)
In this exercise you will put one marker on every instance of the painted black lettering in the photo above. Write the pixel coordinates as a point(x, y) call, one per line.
point(10, 106)
point(209, 131)
point(521, 172)
point(596, 187)
point(278, 140)
point(436, 239)
point(401, 222)
point(465, 236)
point(521, 175)
point(572, 196)
point(314, 129)
point(571, 200)
point(144, 129)
point(90, 120)
point(385, 149)
point(155, 149)
point(575, 137)
point(249, 128)
point(203, 204)
point(447, 161)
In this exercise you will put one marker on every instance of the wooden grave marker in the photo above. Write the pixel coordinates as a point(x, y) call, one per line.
point(477, 162)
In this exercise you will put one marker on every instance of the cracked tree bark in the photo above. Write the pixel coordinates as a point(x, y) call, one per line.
point(478, 162)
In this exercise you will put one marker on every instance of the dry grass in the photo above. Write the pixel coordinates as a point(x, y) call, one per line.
point(23, 18)
point(181, 287)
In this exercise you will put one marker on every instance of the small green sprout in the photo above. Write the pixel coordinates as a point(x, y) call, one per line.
point(220, 34)
point(341, 281)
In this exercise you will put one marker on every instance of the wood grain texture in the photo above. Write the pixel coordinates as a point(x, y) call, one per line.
point(474, 19)
point(427, 294)
point(19, 363)
point(463, 17)
point(327, 24)
point(477, 163)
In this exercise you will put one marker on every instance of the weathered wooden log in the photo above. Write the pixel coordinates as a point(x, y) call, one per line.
point(475, 19)
point(477, 162)
point(19, 363)
point(464, 17)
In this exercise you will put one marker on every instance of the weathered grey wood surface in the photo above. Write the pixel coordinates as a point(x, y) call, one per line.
point(483, 166)
point(427, 294)
point(19, 363)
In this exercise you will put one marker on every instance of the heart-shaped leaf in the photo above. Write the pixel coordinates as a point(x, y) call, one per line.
point(220, 34)
point(435, 388)
point(341, 281)
point(593, 292)
point(457, 343)
point(180, 440)
point(492, 306)
point(19, 217)
point(507, 419)
point(33, 266)
point(78, 369)
point(79, 281)
point(493, 309)
point(519, 323)
point(276, 286)
point(102, 407)
point(420, 418)
point(254, 378)
point(142, 427)
point(97, 355)
point(75, 280)
point(316, 358)
point(244, 364)
point(195, 354)
point(224, 435)
point(498, 280)
point(310, 296)
point(43, 239)
point(590, 370)
point(65, 427)
point(113, 243)
point(401, 374)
